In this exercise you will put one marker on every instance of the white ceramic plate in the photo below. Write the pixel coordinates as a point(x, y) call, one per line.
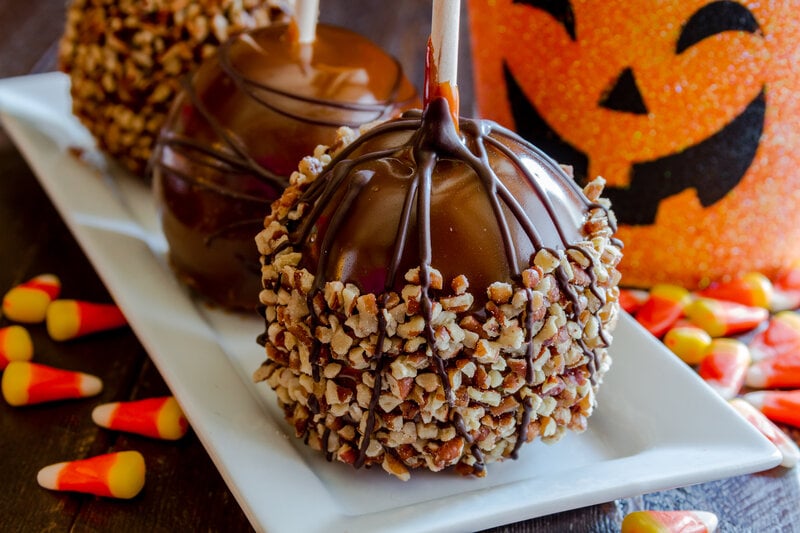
point(657, 426)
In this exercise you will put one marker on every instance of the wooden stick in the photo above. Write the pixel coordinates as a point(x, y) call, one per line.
point(441, 72)
point(305, 20)
point(444, 39)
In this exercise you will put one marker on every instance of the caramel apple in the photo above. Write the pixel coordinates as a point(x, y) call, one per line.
point(125, 60)
point(239, 128)
point(436, 296)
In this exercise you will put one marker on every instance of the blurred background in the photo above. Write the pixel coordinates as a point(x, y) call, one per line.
point(45, 18)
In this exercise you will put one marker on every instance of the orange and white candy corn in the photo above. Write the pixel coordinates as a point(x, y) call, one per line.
point(663, 308)
point(789, 451)
point(159, 418)
point(786, 290)
point(68, 319)
point(670, 522)
point(631, 300)
point(26, 383)
point(778, 372)
point(688, 342)
point(724, 366)
point(778, 406)
point(720, 318)
point(753, 289)
point(782, 335)
point(113, 475)
point(15, 345)
point(27, 302)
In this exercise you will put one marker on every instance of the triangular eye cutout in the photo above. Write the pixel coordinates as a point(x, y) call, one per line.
point(624, 95)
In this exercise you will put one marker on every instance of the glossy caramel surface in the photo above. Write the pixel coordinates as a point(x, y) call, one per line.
point(238, 131)
point(468, 231)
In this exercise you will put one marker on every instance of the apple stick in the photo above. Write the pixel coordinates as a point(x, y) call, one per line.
point(305, 20)
point(441, 69)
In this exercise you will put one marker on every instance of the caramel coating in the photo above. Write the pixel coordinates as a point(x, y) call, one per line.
point(465, 235)
point(237, 131)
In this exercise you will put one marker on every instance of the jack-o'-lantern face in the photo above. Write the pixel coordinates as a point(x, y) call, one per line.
point(671, 101)
point(652, 86)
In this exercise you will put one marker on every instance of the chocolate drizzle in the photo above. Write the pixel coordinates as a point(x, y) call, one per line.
point(269, 95)
point(522, 435)
point(546, 211)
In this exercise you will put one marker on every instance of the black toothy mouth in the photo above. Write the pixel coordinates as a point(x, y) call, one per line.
point(712, 167)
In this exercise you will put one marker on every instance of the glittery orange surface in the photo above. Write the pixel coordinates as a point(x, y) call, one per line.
point(690, 96)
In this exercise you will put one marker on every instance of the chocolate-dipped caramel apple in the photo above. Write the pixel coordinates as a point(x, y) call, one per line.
point(436, 294)
point(125, 59)
point(238, 130)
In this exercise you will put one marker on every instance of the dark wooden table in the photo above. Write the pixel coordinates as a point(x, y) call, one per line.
point(184, 491)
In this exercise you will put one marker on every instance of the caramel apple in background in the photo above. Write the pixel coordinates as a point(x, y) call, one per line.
point(436, 292)
point(239, 129)
point(125, 59)
point(688, 109)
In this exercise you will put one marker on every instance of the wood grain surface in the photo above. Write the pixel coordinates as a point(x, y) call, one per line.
point(184, 491)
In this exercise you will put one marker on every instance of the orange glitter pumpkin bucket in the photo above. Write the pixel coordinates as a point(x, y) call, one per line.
point(687, 108)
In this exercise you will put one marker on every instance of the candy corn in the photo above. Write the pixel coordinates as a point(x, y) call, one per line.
point(786, 290)
point(753, 289)
point(26, 383)
point(115, 475)
point(690, 343)
point(663, 308)
point(782, 335)
point(720, 318)
point(724, 366)
point(789, 450)
point(778, 406)
point(68, 319)
point(631, 300)
point(670, 522)
point(780, 371)
point(28, 301)
point(15, 345)
point(159, 418)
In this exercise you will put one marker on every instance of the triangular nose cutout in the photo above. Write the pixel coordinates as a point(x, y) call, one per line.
point(624, 95)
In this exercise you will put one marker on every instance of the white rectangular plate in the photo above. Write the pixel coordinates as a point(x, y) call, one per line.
point(657, 426)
